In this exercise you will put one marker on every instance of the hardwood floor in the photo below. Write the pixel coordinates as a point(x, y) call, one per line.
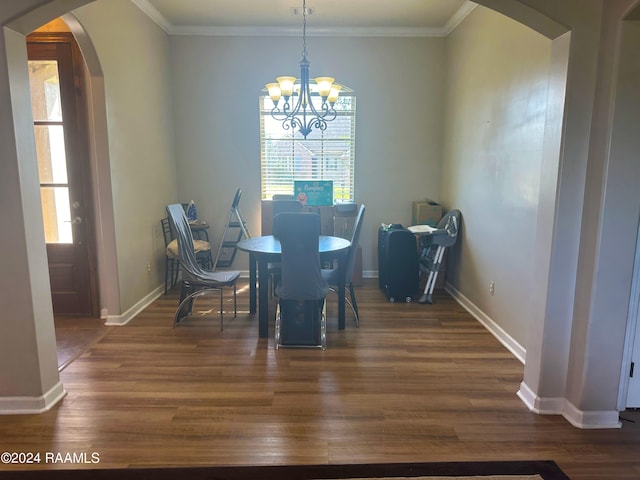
point(415, 383)
point(74, 335)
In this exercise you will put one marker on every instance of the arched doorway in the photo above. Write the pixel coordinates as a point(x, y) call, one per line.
point(560, 242)
point(58, 93)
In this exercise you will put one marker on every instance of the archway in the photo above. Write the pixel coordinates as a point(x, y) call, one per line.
point(29, 339)
point(564, 194)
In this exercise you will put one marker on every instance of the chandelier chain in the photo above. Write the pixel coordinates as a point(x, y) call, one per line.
point(299, 111)
point(304, 29)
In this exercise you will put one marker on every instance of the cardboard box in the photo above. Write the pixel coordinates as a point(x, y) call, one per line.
point(426, 212)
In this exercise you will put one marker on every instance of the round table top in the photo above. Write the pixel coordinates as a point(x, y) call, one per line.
point(269, 244)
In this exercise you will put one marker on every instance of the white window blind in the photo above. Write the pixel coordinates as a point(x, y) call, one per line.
point(323, 155)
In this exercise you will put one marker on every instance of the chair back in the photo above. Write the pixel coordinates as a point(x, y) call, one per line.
point(167, 232)
point(301, 277)
point(283, 196)
point(186, 252)
point(353, 249)
point(282, 206)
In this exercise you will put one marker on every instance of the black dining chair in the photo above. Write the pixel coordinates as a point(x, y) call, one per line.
point(331, 275)
point(171, 262)
point(281, 204)
point(301, 290)
point(286, 205)
point(195, 280)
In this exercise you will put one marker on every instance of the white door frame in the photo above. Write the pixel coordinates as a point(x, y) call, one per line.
point(632, 326)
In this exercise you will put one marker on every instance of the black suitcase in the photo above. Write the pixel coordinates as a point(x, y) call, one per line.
point(398, 272)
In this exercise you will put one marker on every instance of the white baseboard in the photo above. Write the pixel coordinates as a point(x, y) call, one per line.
point(591, 419)
point(32, 405)
point(127, 316)
point(561, 406)
point(496, 330)
point(539, 405)
point(543, 406)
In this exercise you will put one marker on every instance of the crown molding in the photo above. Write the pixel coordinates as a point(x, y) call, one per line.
point(171, 29)
point(311, 31)
point(153, 13)
point(465, 9)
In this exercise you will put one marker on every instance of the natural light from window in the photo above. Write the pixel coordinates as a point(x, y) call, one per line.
point(323, 155)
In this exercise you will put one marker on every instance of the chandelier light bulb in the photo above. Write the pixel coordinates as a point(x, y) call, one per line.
point(274, 92)
point(334, 93)
point(324, 85)
point(286, 85)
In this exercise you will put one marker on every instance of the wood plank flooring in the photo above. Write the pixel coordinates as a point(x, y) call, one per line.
point(415, 383)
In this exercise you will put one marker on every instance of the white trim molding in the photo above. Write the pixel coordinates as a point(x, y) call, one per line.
point(543, 406)
point(262, 30)
point(153, 13)
point(126, 317)
point(591, 419)
point(496, 330)
point(265, 31)
point(458, 17)
point(587, 420)
point(32, 405)
point(540, 405)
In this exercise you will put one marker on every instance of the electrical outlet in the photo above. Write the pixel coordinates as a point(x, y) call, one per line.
point(492, 288)
point(148, 267)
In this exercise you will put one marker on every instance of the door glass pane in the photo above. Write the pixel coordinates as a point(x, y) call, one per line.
point(50, 150)
point(52, 162)
point(57, 214)
point(45, 90)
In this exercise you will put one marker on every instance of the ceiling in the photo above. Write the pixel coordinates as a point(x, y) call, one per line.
point(330, 17)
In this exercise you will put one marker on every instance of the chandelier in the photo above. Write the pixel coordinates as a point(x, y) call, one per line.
point(306, 106)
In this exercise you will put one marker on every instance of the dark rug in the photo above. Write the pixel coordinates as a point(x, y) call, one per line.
point(548, 470)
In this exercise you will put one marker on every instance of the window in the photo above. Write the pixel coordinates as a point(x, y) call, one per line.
point(48, 126)
point(323, 155)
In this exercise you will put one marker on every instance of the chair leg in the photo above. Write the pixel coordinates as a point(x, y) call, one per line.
point(350, 301)
point(185, 289)
point(175, 269)
point(235, 300)
point(354, 304)
point(276, 340)
point(186, 304)
point(166, 275)
point(221, 311)
point(323, 325)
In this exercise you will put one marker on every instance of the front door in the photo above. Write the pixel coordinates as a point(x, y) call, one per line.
point(57, 95)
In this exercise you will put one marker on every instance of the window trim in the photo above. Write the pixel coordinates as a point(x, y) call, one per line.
point(318, 169)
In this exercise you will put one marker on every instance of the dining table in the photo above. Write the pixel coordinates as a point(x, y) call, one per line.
point(266, 249)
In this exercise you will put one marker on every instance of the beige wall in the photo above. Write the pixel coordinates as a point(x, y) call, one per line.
point(133, 56)
point(496, 104)
point(399, 88)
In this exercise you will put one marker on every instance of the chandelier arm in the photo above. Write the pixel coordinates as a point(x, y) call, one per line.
point(301, 112)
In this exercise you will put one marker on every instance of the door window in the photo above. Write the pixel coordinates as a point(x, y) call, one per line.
point(50, 150)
